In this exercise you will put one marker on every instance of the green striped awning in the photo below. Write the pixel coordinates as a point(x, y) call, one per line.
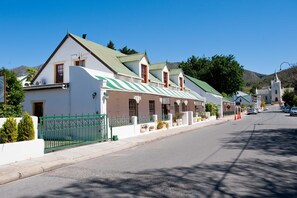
point(122, 85)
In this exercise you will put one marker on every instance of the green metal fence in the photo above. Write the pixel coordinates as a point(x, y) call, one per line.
point(61, 132)
point(145, 119)
point(119, 121)
point(226, 113)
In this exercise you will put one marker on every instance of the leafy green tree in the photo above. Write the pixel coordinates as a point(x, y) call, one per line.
point(31, 73)
point(126, 50)
point(223, 73)
point(288, 97)
point(9, 131)
point(110, 45)
point(14, 95)
point(253, 89)
point(26, 128)
point(212, 108)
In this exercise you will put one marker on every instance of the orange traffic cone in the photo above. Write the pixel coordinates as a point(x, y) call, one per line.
point(234, 116)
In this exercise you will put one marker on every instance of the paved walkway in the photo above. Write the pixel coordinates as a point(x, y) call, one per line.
point(58, 159)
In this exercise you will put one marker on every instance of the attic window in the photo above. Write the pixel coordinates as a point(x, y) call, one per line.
point(80, 63)
point(165, 79)
point(181, 83)
point(144, 75)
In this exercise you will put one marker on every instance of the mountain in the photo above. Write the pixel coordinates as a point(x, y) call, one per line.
point(288, 77)
point(22, 70)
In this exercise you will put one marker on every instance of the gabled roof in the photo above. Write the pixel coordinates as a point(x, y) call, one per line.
point(246, 98)
point(172, 84)
point(204, 85)
point(174, 72)
point(105, 55)
point(157, 66)
point(240, 93)
point(132, 57)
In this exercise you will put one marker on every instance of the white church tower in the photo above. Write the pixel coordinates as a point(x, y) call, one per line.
point(276, 90)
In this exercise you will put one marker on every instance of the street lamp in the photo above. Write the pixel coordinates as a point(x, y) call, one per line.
point(280, 67)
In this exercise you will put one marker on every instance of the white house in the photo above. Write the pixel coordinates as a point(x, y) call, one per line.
point(83, 77)
point(205, 90)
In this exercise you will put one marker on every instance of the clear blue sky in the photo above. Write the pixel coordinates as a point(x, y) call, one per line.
point(260, 33)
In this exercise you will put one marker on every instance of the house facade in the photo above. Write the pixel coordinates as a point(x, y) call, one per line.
point(207, 91)
point(83, 77)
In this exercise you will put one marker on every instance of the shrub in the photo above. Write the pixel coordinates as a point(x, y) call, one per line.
point(176, 116)
point(212, 108)
point(9, 131)
point(160, 124)
point(26, 128)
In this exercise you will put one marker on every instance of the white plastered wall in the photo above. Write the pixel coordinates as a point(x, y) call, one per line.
point(67, 54)
point(218, 100)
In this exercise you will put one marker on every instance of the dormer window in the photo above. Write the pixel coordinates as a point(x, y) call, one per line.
point(181, 82)
point(79, 63)
point(165, 79)
point(144, 72)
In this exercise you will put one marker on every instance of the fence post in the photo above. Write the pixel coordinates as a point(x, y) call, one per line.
point(170, 119)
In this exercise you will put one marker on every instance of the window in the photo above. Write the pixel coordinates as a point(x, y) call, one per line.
point(275, 91)
point(152, 107)
point(59, 73)
point(181, 83)
point(144, 73)
point(165, 79)
point(79, 63)
point(176, 107)
point(132, 107)
point(184, 107)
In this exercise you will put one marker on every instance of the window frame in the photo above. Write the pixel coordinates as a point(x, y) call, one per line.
point(132, 107)
point(58, 78)
point(144, 73)
point(152, 107)
point(181, 83)
point(165, 79)
point(79, 61)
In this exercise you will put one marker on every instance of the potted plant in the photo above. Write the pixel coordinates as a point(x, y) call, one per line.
point(151, 128)
point(178, 118)
point(143, 128)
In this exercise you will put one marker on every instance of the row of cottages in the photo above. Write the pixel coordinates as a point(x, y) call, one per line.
point(83, 77)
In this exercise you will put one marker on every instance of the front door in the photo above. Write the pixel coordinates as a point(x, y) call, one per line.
point(38, 109)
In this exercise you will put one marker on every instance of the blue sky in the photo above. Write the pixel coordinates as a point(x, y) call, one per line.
point(260, 33)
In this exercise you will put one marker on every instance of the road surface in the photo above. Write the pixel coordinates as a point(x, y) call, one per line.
point(252, 157)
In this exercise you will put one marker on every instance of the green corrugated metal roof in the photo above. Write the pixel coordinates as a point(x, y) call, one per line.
point(131, 58)
point(172, 84)
point(204, 85)
point(122, 85)
point(174, 72)
point(154, 79)
point(157, 66)
point(107, 55)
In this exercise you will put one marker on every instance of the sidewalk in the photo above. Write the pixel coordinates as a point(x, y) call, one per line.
point(58, 159)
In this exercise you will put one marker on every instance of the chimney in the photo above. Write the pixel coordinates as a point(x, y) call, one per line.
point(84, 36)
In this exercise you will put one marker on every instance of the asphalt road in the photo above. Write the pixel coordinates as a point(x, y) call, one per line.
point(253, 157)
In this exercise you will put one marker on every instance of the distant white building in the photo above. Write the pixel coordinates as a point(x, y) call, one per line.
point(274, 93)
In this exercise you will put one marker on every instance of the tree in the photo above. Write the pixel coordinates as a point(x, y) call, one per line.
point(295, 100)
point(288, 97)
point(223, 73)
point(31, 73)
point(126, 50)
point(110, 45)
point(14, 95)
point(253, 89)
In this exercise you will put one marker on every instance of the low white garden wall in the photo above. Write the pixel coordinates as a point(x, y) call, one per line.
point(17, 151)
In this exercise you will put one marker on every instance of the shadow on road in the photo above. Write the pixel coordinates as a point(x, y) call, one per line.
point(239, 178)
point(248, 178)
point(282, 141)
